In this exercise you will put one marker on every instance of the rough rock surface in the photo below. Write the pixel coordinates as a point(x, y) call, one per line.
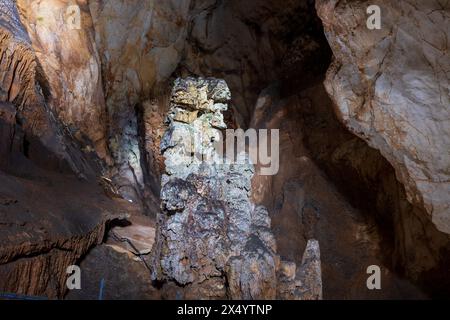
point(23, 84)
point(140, 45)
point(326, 188)
point(241, 41)
point(44, 227)
point(57, 112)
point(212, 241)
point(144, 45)
point(70, 68)
point(305, 283)
point(120, 266)
point(19, 80)
point(391, 88)
point(409, 241)
point(119, 277)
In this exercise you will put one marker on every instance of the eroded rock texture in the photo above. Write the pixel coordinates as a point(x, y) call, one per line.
point(140, 44)
point(19, 81)
point(91, 99)
point(391, 88)
point(70, 67)
point(44, 227)
point(144, 45)
point(211, 239)
point(334, 188)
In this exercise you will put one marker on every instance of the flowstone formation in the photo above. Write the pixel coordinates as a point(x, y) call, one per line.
point(212, 242)
point(52, 212)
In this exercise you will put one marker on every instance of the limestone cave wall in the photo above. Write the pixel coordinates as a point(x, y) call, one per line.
point(363, 118)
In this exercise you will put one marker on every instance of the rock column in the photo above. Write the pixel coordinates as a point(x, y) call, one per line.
point(212, 242)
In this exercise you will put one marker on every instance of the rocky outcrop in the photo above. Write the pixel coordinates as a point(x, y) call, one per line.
point(140, 44)
point(51, 209)
point(212, 241)
point(390, 87)
point(62, 37)
point(45, 228)
point(90, 98)
point(48, 220)
point(304, 283)
point(408, 240)
point(19, 79)
point(23, 84)
point(329, 181)
point(210, 238)
point(143, 46)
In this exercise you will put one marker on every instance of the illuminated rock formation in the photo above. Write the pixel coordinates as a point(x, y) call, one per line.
point(212, 241)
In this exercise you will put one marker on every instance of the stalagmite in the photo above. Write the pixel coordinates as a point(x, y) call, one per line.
point(212, 241)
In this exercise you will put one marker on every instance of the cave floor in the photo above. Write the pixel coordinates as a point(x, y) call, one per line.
point(111, 275)
point(113, 270)
point(118, 268)
point(304, 203)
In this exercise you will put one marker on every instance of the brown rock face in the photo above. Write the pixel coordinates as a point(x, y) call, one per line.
point(409, 241)
point(23, 85)
point(391, 88)
point(145, 44)
point(332, 187)
point(48, 221)
point(83, 98)
point(49, 235)
point(70, 67)
point(212, 242)
point(49, 218)
point(140, 44)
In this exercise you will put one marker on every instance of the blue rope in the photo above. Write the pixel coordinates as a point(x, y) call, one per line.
point(102, 285)
point(14, 296)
